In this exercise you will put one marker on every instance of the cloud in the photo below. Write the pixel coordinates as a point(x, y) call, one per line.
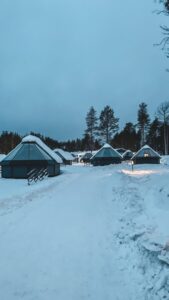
point(60, 57)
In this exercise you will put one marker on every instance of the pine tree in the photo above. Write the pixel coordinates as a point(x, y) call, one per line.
point(8, 141)
point(128, 138)
point(108, 123)
point(143, 122)
point(154, 136)
point(163, 116)
point(166, 2)
point(91, 122)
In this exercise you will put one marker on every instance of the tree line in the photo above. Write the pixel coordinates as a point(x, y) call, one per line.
point(105, 128)
point(133, 136)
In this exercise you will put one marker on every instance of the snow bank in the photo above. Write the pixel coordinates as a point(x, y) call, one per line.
point(165, 160)
point(149, 190)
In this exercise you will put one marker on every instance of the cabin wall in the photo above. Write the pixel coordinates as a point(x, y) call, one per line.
point(21, 169)
point(105, 161)
point(146, 160)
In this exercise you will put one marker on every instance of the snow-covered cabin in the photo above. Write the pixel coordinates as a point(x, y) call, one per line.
point(121, 150)
point(146, 155)
point(86, 157)
point(66, 156)
point(30, 154)
point(128, 154)
point(106, 156)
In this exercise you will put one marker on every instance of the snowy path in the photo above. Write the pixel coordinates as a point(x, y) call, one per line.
point(67, 239)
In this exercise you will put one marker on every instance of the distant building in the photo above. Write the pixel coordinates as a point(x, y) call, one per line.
point(127, 155)
point(106, 156)
point(29, 155)
point(2, 156)
point(146, 155)
point(86, 157)
point(121, 150)
point(66, 157)
point(78, 156)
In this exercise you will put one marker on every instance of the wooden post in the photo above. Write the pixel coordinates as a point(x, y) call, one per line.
point(132, 165)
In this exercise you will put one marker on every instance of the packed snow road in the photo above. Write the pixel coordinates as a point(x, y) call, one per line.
point(75, 237)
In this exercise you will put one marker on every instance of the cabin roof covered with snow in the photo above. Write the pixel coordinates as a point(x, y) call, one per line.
point(146, 150)
point(2, 156)
point(106, 151)
point(38, 151)
point(65, 154)
point(127, 152)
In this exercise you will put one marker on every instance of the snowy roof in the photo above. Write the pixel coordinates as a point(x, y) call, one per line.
point(2, 156)
point(38, 151)
point(127, 152)
point(146, 150)
point(87, 155)
point(106, 146)
point(32, 138)
point(146, 147)
point(65, 154)
point(121, 150)
point(106, 151)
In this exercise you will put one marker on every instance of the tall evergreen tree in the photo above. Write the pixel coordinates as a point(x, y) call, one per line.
point(166, 3)
point(163, 116)
point(86, 142)
point(154, 136)
point(91, 122)
point(128, 138)
point(8, 141)
point(143, 122)
point(108, 123)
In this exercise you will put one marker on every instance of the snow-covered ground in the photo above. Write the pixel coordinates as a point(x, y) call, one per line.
point(98, 233)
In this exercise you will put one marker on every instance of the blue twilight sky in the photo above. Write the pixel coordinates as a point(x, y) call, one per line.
point(59, 57)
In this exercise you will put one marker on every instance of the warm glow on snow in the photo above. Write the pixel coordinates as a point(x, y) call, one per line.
point(139, 172)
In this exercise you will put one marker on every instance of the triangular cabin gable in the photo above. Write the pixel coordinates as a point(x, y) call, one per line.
point(146, 155)
point(105, 156)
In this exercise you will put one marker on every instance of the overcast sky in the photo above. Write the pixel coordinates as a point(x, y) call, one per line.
point(59, 57)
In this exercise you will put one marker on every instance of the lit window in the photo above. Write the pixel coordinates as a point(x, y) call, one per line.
point(146, 155)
